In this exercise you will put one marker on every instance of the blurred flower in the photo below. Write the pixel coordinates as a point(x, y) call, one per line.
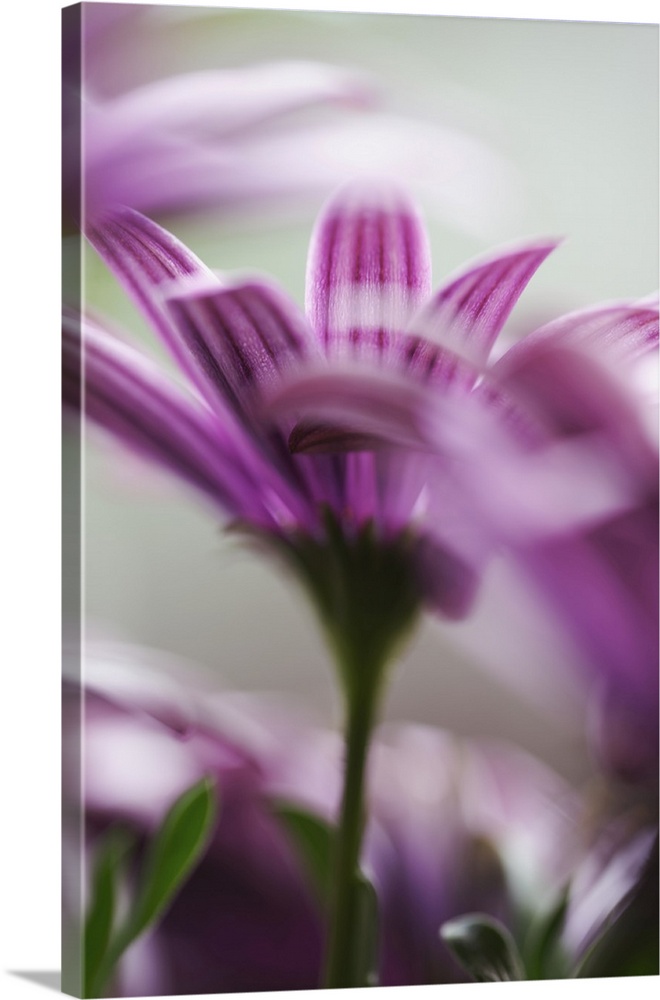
point(593, 373)
point(250, 136)
point(454, 827)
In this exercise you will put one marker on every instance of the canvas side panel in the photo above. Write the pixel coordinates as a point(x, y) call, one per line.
point(71, 511)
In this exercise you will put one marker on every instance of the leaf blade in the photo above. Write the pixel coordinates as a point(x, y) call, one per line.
point(101, 912)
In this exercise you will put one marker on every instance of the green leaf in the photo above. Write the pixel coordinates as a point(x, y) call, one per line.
point(177, 846)
point(541, 952)
point(365, 956)
point(484, 947)
point(101, 913)
point(314, 841)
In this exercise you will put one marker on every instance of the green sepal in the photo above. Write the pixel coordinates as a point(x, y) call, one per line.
point(366, 593)
point(484, 947)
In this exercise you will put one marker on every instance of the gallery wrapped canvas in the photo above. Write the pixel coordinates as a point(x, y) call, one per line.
point(360, 558)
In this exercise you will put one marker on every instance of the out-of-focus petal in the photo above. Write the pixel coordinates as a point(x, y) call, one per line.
point(346, 408)
point(467, 313)
point(603, 585)
point(368, 269)
point(462, 180)
point(505, 492)
point(577, 376)
point(176, 143)
point(581, 374)
point(215, 104)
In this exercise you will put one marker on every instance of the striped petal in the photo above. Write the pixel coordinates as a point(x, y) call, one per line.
point(625, 331)
point(242, 339)
point(467, 313)
point(125, 394)
point(368, 270)
point(148, 261)
point(586, 373)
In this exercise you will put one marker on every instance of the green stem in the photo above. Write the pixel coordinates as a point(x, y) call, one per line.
point(343, 933)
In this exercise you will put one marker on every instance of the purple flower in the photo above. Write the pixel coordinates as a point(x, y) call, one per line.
point(454, 827)
point(376, 341)
point(591, 374)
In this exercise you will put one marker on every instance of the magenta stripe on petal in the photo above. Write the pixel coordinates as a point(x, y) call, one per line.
point(621, 332)
point(368, 267)
point(577, 375)
point(431, 362)
point(147, 259)
point(241, 338)
point(468, 312)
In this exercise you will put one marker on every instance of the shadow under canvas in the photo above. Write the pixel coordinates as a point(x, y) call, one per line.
point(51, 980)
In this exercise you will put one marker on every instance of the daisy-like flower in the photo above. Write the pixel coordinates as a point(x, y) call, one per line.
point(361, 442)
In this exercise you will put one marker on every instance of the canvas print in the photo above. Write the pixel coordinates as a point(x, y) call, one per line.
point(360, 500)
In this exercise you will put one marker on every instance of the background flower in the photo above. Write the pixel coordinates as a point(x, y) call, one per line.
point(455, 827)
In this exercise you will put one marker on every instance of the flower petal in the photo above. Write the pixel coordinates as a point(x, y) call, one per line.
point(219, 103)
point(128, 396)
point(467, 313)
point(368, 269)
point(581, 374)
point(623, 330)
point(148, 260)
point(242, 339)
point(340, 404)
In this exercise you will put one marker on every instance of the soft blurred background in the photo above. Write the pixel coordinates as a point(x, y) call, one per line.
point(568, 113)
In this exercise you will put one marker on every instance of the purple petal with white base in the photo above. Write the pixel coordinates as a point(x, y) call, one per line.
point(368, 269)
point(468, 312)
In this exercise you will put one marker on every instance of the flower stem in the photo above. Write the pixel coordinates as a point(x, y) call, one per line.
point(344, 931)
